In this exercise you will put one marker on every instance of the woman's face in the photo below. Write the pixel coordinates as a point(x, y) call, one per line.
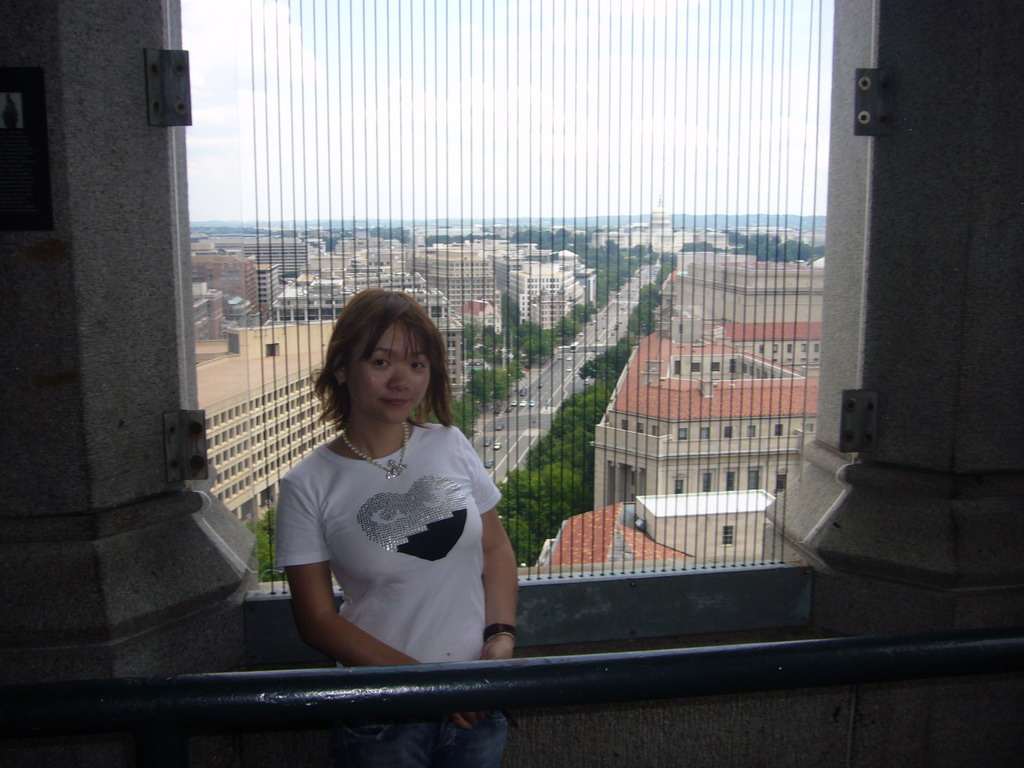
point(386, 388)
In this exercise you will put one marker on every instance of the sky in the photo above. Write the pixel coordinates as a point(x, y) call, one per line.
point(489, 109)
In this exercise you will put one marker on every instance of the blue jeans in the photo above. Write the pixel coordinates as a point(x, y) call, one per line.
point(433, 744)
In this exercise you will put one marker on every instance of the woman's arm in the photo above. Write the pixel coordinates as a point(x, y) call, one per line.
point(501, 584)
point(322, 627)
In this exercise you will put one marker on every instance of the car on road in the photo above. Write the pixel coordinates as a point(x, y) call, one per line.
point(499, 426)
point(487, 441)
point(489, 463)
point(510, 407)
point(533, 403)
point(497, 446)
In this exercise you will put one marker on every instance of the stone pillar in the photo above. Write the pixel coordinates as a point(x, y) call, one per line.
point(923, 305)
point(106, 568)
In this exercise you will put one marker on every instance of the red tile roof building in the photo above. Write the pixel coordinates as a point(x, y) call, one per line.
point(599, 540)
point(480, 311)
point(794, 344)
point(692, 418)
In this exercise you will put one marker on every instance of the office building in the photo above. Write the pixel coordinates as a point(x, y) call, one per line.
point(700, 418)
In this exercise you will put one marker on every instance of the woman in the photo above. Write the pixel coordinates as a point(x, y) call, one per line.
point(402, 513)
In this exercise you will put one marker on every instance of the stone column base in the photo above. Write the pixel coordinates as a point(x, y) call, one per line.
point(152, 588)
point(897, 550)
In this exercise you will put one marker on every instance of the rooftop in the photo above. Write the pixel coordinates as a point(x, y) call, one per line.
point(600, 536)
point(477, 307)
point(692, 504)
point(228, 376)
point(681, 399)
point(773, 331)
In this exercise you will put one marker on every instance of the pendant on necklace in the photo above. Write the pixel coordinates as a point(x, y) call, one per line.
point(394, 469)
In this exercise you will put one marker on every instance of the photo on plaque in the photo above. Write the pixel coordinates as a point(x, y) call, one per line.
point(25, 199)
point(11, 117)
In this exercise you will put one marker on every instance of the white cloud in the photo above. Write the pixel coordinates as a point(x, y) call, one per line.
point(519, 109)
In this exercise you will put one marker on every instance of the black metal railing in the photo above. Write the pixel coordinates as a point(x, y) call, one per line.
point(162, 711)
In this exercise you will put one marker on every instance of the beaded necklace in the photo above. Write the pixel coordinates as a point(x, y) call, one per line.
point(393, 468)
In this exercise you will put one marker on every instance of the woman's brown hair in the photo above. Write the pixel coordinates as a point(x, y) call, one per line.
point(362, 322)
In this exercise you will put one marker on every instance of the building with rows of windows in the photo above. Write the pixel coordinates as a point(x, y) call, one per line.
point(700, 418)
point(721, 398)
point(256, 389)
point(736, 288)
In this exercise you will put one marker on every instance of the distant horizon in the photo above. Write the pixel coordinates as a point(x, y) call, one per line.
point(681, 220)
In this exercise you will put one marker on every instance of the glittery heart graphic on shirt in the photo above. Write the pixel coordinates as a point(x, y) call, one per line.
point(426, 521)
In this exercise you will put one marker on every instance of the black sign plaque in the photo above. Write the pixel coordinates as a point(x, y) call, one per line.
point(25, 200)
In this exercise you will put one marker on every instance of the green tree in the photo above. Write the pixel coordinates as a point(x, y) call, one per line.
point(766, 247)
point(478, 386)
point(612, 264)
point(535, 502)
point(699, 247)
point(401, 234)
point(535, 342)
point(572, 323)
point(515, 372)
point(644, 318)
point(488, 384)
point(492, 343)
point(567, 328)
point(509, 312)
point(472, 335)
point(464, 416)
point(606, 367)
point(570, 440)
point(263, 528)
point(588, 370)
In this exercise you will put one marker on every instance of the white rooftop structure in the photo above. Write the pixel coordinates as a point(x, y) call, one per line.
point(693, 504)
point(724, 526)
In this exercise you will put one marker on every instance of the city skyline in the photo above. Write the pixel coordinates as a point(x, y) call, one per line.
point(613, 220)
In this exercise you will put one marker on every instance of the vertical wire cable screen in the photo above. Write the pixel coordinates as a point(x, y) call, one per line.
point(614, 213)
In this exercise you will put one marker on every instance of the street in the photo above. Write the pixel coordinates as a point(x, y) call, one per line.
point(506, 438)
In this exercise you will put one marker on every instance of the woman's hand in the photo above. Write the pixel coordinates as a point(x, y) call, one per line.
point(498, 647)
point(466, 720)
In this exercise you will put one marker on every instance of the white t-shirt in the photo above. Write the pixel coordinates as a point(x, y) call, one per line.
point(406, 551)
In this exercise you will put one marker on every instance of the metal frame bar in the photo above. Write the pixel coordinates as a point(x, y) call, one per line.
point(161, 711)
point(580, 609)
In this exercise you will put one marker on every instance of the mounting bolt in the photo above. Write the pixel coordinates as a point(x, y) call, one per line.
point(185, 445)
point(872, 102)
point(858, 420)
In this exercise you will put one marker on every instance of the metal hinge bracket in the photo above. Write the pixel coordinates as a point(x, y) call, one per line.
point(872, 102)
point(858, 422)
point(168, 90)
point(185, 445)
